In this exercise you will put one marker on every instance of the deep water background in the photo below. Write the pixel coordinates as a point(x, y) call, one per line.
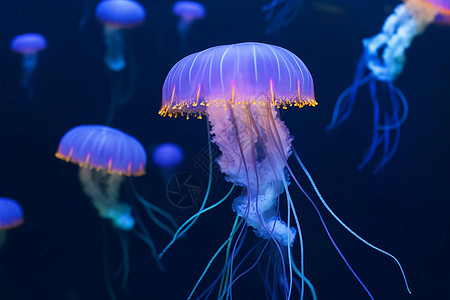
point(58, 253)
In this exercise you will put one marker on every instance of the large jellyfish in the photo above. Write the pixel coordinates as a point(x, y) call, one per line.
point(107, 156)
point(241, 88)
point(280, 13)
point(384, 58)
point(28, 44)
point(188, 11)
point(117, 15)
point(11, 216)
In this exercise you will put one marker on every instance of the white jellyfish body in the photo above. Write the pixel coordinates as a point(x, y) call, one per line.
point(28, 44)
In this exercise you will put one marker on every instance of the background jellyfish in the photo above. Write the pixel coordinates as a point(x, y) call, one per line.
point(188, 11)
point(168, 157)
point(107, 156)
point(28, 44)
point(117, 15)
point(240, 88)
point(384, 58)
point(11, 216)
point(280, 13)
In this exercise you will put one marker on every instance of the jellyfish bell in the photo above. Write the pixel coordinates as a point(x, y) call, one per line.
point(11, 216)
point(188, 11)
point(28, 44)
point(116, 15)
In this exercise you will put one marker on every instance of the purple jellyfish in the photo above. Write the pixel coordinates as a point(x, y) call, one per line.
point(168, 155)
point(241, 88)
point(116, 15)
point(11, 216)
point(106, 157)
point(28, 44)
point(188, 11)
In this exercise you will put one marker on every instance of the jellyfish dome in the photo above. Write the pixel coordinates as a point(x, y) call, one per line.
point(120, 13)
point(250, 73)
point(168, 155)
point(103, 147)
point(11, 214)
point(189, 10)
point(28, 43)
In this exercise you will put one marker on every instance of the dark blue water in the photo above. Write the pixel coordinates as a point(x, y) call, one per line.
point(58, 253)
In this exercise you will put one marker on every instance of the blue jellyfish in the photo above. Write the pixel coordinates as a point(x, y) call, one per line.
point(188, 11)
point(384, 58)
point(28, 44)
point(117, 15)
point(11, 216)
point(168, 155)
point(106, 157)
point(280, 13)
point(241, 88)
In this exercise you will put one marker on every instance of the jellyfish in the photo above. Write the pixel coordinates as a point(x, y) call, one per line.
point(28, 44)
point(280, 13)
point(241, 89)
point(11, 216)
point(168, 155)
point(117, 15)
point(188, 11)
point(381, 63)
point(107, 156)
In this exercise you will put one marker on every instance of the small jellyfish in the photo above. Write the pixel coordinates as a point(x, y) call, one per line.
point(28, 44)
point(116, 15)
point(188, 11)
point(107, 156)
point(280, 13)
point(241, 89)
point(168, 155)
point(11, 216)
point(384, 59)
